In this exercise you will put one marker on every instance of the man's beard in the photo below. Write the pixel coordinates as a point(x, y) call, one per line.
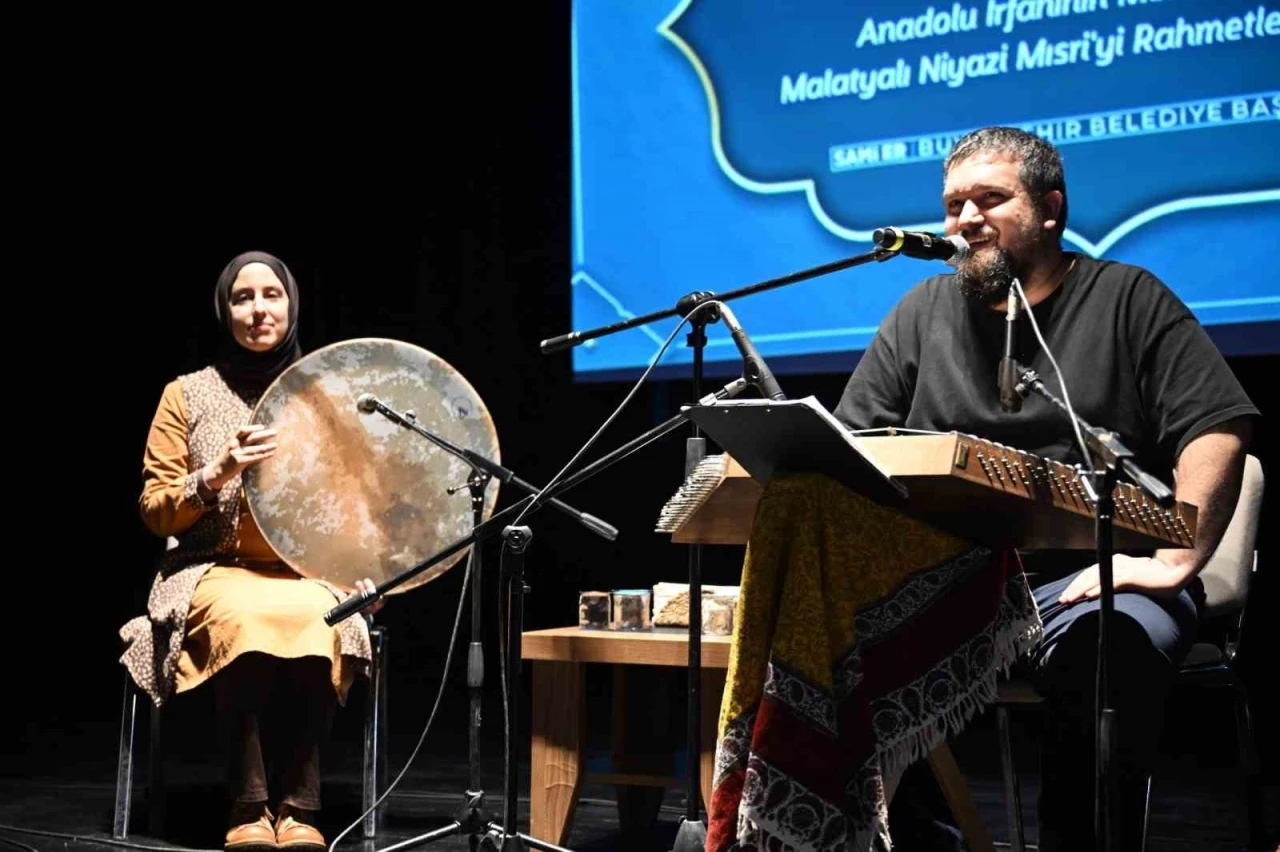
point(987, 278)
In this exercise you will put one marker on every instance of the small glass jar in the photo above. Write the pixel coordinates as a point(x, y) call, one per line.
point(717, 615)
point(631, 610)
point(593, 610)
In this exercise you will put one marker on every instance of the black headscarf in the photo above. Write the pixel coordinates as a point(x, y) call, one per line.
point(241, 366)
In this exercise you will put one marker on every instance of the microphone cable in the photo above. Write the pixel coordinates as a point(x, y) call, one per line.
point(653, 362)
point(1016, 286)
point(444, 678)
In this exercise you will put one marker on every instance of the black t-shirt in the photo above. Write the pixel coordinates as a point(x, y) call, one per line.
point(1134, 358)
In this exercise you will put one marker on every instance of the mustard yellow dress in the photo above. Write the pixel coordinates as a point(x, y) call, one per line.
point(222, 591)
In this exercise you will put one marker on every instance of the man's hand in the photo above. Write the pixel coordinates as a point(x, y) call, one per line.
point(1129, 573)
point(1209, 473)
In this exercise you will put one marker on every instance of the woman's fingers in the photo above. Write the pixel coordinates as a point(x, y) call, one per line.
point(256, 437)
point(245, 456)
point(367, 585)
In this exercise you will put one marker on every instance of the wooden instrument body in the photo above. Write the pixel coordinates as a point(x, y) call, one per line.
point(974, 488)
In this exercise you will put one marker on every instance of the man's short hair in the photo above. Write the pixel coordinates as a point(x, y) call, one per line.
point(1040, 165)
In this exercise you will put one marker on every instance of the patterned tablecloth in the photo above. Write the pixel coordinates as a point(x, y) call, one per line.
point(863, 638)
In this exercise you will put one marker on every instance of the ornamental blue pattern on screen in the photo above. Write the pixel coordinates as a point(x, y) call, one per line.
point(718, 143)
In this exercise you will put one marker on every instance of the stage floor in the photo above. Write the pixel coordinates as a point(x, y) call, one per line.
point(66, 788)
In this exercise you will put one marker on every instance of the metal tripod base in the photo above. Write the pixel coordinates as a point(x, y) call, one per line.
point(449, 830)
point(691, 837)
point(472, 820)
point(517, 842)
point(485, 835)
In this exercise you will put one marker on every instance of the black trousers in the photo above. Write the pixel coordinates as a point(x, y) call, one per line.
point(1149, 638)
point(275, 714)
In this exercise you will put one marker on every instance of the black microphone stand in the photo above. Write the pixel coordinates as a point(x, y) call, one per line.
point(483, 464)
point(692, 834)
point(516, 539)
point(473, 819)
point(1115, 458)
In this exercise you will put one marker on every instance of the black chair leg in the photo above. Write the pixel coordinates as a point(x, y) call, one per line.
point(1012, 793)
point(124, 761)
point(1146, 815)
point(1249, 766)
point(374, 776)
point(155, 777)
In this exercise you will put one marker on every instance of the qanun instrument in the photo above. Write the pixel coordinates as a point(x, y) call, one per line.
point(974, 488)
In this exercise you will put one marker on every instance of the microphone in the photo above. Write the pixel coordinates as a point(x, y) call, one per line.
point(367, 403)
point(353, 604)
point(953, 249)
point(754, 369)
point(1007, 376)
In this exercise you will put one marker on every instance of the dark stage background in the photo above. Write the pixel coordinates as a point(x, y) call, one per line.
point(418, 186)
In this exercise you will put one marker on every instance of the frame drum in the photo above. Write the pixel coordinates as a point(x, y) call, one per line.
point(350, 495)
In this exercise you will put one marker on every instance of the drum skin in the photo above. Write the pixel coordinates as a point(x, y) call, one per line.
point(349, 494)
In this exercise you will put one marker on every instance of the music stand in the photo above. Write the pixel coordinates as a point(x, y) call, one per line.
point(794, 436)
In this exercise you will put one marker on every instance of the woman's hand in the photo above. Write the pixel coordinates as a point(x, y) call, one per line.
point(248, 446)
point(367, 585)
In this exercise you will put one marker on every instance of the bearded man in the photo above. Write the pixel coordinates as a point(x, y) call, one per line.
point(1135, 361)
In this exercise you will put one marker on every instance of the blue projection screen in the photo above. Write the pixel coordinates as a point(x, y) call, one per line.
point(718, 143)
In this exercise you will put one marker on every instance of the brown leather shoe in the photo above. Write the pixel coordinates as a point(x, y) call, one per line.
point(297, 836)
point(256, 836)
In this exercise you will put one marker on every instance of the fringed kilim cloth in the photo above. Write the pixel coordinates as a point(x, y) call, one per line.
point(863, 638)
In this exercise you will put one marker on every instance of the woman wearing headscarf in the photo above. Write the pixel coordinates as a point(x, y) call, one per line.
point(223, 607)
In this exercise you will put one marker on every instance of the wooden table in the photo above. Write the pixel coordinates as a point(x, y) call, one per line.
point(559, 722)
